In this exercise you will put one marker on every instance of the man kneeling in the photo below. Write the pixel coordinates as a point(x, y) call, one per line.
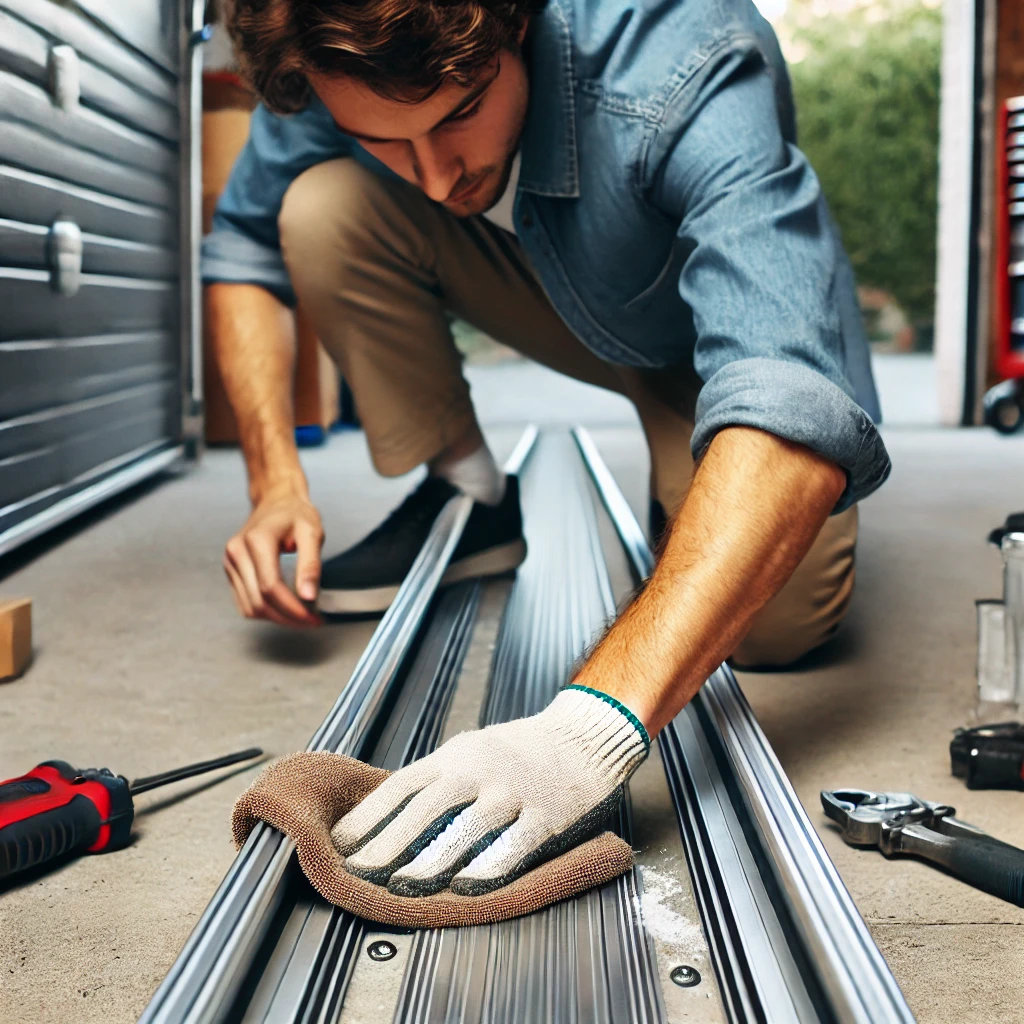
point(613, 190)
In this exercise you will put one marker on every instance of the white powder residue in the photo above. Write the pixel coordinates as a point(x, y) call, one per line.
point(661, 894)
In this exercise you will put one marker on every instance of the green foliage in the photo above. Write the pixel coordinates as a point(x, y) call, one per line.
point(866, 84)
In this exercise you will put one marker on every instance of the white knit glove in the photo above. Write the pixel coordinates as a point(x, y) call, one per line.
point(487, 806)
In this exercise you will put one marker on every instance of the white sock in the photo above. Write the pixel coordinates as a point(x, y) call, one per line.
point(476, 474)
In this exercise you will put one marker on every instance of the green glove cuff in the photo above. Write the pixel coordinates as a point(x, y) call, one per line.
point(619, 706)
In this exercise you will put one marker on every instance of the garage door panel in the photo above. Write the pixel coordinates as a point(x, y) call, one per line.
point(43, 374)
point(114, 257)
point(13, 515)
point(150, 26)
point(25, 52)
point(27, 147)
point(118, 100)
point(37, 199)
point(92, 353)
point(81, 453)
point(63, 24)
point(26, 474)
point(23, 245)
point(28, 245)
point(85, 129)
point(32, 309)
point(60, 425)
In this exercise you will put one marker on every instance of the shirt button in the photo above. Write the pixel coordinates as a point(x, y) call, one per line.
point(527, 220)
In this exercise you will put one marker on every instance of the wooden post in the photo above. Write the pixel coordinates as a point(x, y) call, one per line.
point(15, 637)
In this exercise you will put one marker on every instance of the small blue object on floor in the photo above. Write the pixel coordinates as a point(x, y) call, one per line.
point(310, 436)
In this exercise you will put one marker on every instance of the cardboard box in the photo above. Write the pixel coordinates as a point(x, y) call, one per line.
point(224, 135)
point(316, 379)
point(15, 637)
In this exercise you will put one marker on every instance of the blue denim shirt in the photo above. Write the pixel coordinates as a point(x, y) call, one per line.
point(666, 210)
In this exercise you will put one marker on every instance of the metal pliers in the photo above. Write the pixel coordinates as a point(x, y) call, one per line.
point(901, 824)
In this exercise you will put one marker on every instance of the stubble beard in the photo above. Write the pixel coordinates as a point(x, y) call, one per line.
point(485, 199)
point(489, 197)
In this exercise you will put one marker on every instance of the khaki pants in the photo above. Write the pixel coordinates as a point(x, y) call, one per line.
point(377, 266)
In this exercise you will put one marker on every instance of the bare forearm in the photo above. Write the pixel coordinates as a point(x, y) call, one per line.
point(253, 336)
point(754, 509)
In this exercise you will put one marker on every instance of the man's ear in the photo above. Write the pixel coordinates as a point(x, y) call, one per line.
point(522, 30)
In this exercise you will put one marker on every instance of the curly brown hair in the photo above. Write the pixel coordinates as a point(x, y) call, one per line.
point(402, 49)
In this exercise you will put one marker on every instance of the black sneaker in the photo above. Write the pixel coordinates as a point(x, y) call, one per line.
point(366, 577)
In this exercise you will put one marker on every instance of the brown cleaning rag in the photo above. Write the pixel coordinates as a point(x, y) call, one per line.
point(305, 794)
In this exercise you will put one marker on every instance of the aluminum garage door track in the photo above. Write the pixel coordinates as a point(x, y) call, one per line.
point(783, 935)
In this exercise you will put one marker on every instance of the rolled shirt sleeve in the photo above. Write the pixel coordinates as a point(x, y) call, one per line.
point(244, 245)
point(231, 255)
point(764, 277)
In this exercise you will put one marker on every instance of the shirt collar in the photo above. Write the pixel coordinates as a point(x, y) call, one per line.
point(549, 166)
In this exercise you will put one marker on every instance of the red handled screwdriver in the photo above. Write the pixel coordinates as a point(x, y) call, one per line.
point(56, 810)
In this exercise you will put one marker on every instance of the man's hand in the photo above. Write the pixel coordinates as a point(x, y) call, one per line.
point(498, 801)
point(253, 336)
point(282, 522)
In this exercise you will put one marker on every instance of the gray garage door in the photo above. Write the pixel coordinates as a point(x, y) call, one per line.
point(97, 314)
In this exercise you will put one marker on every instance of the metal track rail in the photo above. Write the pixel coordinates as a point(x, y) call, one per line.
point(787, 940)
point(304, 970)
point(216, 967)
point(587, 959)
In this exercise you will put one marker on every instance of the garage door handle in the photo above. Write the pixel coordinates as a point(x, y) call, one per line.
point(65, 257)
point(65, 79)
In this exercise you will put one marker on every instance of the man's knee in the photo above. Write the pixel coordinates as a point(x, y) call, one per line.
point(809, 609)
point(774, 645)
point(330, 215)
